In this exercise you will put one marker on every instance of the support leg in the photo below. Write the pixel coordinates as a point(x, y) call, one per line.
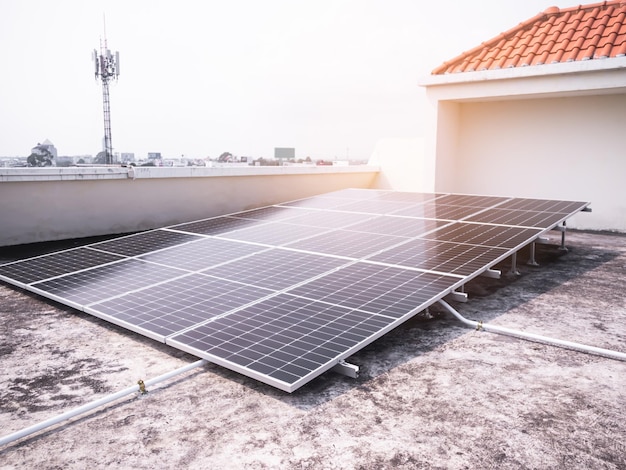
point(563, 247)
point(513, 271)
point(532, 261)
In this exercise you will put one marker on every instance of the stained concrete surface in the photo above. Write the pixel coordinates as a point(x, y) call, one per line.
point(431, 394)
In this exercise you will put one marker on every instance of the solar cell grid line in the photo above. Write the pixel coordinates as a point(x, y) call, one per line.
point(436, 210)
point(55, 264)
point(274, 233)
point(498, 236)
point(399, 226)
point(354, 193)
point(442, 257)
point(171, 307)
point(202, 254)
point(385, 290)
point(317, 203)
point(329, 218)
point(214, 226)
point(301, 339)
point(103, 282)
point(544, 205)
point(353, 245)
point(471, 200)
point(144, 242)
point(269, 213)
point(375, 206)
point(402, 196)
point(518, 218)
point(276, 268)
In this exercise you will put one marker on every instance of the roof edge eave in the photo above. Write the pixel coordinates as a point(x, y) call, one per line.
point(594, 65)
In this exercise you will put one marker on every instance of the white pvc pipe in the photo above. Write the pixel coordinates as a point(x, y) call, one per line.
point(533, 337)
point(95, 404)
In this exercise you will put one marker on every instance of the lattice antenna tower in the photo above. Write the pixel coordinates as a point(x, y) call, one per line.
point(107, 68)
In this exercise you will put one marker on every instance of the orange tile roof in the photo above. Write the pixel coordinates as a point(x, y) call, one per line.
point(584, 32)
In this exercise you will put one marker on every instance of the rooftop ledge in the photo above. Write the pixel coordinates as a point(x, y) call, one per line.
point(581, 66)
point(110, 173)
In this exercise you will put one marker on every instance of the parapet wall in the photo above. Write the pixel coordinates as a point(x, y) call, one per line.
point(43, 204)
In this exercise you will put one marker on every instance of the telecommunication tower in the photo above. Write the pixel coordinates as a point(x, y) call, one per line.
point(107, 68)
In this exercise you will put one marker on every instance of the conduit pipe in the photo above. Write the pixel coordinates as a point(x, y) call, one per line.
point(533, 337)
point(95, 404)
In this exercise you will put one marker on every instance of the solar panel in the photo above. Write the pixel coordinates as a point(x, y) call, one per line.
point(284, 341)
point(171, 307)
point(56, 264)
point(432, 255)
point(277, 268)
point(285, 292)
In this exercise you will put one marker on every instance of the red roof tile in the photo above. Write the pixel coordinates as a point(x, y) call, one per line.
point(584, 32)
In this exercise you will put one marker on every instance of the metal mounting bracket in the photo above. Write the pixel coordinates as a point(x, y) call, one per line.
point(457, 296)
point(347, 369)
point(491, 273)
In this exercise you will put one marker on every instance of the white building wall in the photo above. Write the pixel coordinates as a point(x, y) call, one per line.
point(41, 205)
point(561, 148)
point(553, 131)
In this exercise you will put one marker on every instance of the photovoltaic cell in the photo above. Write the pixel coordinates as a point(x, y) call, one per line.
point(144, 242)
point(385, 290)
point(375, 206)
point(544, 205)
point(454, 258)
point(469, 200)
point(56, 264)
point(107, 281)
point(215, 226)
point(318, 203)
point(269, 214)
point(346, 243)
point(485, 235)
point(283, 293)
point(329, 219)
point(276, 269)
point(284, 340)
point(518, 217)
point(397, 226)
point(202, 254)
point(401, 196)
point(176, 305)
point(274, 234)
point(439, 211)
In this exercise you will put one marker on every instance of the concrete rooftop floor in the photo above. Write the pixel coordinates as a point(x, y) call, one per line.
point(431, 394)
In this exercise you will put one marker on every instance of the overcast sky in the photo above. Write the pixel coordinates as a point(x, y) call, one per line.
point(199, 78)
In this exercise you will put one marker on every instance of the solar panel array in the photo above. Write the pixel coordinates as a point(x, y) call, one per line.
point(286, 292)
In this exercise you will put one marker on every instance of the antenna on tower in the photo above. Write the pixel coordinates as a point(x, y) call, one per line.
point(107, 68)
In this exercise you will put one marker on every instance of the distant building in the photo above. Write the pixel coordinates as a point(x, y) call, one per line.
point(154, 156)
point(127, 157)
point(284, 153)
